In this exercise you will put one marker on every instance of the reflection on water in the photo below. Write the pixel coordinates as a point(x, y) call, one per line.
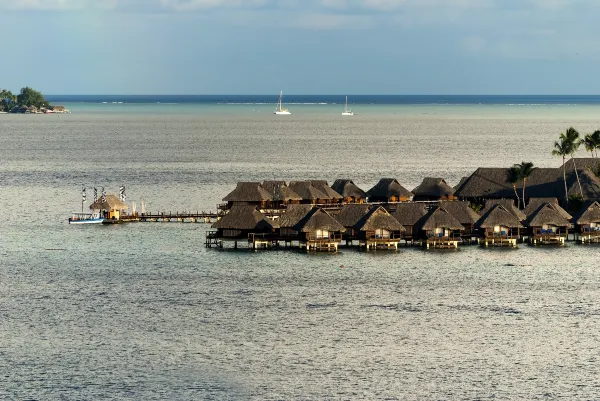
point(144, 311)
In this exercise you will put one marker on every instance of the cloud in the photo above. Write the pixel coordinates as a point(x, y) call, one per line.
point(188, 5)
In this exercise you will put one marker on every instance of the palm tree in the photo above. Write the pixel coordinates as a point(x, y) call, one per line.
point(514, 177)
point(523, 171)
point(562, 147)
point(596, 138)
point(573, 136)
point(590, 144)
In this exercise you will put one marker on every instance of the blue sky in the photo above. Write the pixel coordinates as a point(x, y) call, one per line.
point(301, 46)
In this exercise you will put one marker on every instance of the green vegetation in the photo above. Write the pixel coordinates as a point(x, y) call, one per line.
point(521, 172)
point(27, 97)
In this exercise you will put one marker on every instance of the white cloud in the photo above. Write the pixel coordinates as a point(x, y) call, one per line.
point(188, 5)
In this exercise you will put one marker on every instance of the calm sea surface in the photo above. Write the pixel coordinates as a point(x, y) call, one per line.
point(144, 311)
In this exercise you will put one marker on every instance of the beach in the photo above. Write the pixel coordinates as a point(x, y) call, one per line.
point(144, 311)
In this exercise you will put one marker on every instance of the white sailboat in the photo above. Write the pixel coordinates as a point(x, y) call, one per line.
point(280, 110)
point(347, 111)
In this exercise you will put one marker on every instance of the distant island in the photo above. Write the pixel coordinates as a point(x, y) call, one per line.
point(27, 101)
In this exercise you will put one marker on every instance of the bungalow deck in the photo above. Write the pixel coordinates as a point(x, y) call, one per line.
point(498, 240)
point(548, 239)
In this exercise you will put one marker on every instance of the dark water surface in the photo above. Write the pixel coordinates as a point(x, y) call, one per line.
point(144, 311)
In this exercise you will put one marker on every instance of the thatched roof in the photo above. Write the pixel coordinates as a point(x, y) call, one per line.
point(293, 215)
point(535, 203)
point(246, 217)
point(248, 192)
point(408, 214)
point(461, 211)
point(307, 190)
point(322, 186)
point(583, 163)
point(379, 218)
point(589, 214)
point(547, 214)
point(543, 182)
point(388, 187)
point(318, 219)
point(112, 202)
point(279, 191)
point(460, 183)
point(351, 214)
point(508, 204)
point(433, 188)
point(439, 218)
point(498, 215)
point(347, 189)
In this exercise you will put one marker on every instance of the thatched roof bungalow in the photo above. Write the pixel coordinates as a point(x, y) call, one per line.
point(319, 230)
point(308, 192)
point(379, 227)
point(111, 207)
point(498, 226)
point(248, 193)
point(242, 220)
point(389, 190)
point(408, 215)
point(281, 194)
point(332, 196)
point(535, 203)
point(508, 204)
point(432, 189)
point(350, 192)
point(587, 222)
point(349, 216)
point(547, 225)
point(293, 215)
point(463, 213)
point(440, 229)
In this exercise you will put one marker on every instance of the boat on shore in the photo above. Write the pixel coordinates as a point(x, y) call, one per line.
point(86, 218)
point(280, 110)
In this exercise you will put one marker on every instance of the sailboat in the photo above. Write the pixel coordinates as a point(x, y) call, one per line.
point(347, 111)
point(280, 109)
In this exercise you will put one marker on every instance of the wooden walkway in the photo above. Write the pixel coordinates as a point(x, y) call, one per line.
point(180, 217)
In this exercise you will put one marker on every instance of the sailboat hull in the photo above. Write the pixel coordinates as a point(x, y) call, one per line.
point(282, 113)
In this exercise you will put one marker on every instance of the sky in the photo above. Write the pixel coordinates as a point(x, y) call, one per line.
point(301, 46)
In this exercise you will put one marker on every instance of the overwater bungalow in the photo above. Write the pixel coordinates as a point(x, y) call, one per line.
point(535, 203)
point(293, 215)
point(110, 207)
point(433, 189)
point(350, 192)
point(408, 215)
point(508, 204)
point(349, 216)
point(308, 192)
point(546, 225)
point(281, 194)
point(498, 227)
point(389, 190)
point(379, 229)
point(319, 231)
point(243, 223)
point(587, 223)
point(247, 193)
point(332, 196)
point(439, 229)
point(465, 215)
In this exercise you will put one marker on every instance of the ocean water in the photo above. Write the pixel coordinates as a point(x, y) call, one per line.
point(144, 311)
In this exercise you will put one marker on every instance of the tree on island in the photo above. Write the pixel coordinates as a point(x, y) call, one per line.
point(7, 100)
point(31, 97)
point(590, 144)
point(562, 148)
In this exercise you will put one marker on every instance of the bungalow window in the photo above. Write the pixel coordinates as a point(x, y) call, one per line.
point(321, 234)
point(393, 199)
point(382, 233)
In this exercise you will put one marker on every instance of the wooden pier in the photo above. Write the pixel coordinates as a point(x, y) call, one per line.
point(180, 217)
